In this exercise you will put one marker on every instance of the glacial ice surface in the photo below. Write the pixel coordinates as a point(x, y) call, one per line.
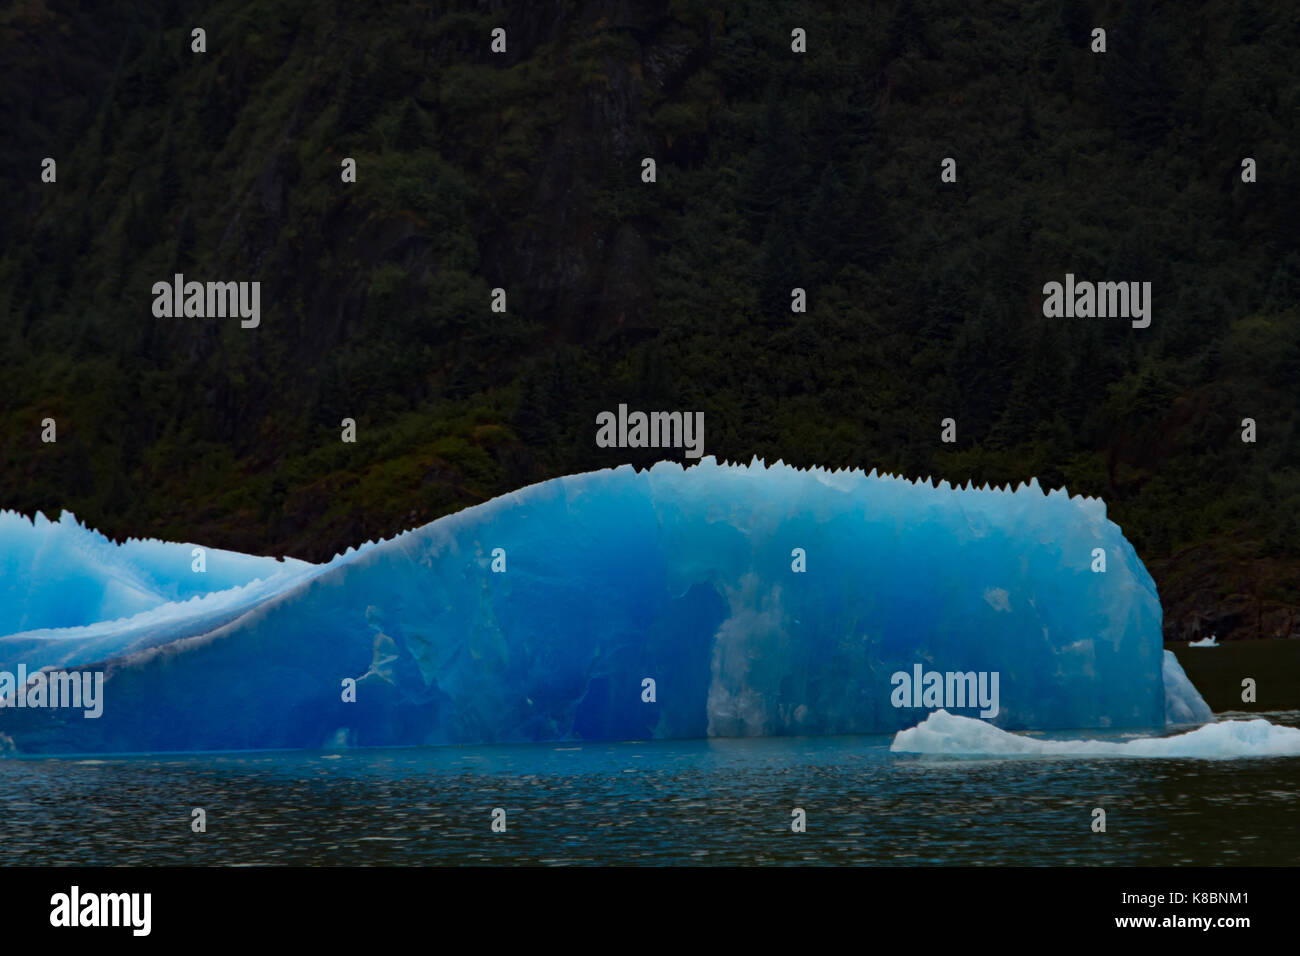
point(679, 575)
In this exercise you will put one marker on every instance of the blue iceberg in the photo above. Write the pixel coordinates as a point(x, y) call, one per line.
point(714, 600)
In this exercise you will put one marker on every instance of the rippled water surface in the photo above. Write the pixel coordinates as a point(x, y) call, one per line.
point(663, 802)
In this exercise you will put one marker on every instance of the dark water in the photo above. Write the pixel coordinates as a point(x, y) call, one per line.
point(671, 802)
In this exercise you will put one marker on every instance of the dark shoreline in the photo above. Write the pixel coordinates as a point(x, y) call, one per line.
point(1218, 672)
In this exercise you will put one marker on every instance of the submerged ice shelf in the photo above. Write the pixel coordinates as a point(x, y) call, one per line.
point(684, 576)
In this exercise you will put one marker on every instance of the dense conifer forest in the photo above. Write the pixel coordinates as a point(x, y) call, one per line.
point(775, 170)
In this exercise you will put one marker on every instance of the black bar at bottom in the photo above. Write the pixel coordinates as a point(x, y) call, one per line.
point(334, 905)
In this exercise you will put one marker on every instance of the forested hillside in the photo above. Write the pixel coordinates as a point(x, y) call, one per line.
point(775, 169)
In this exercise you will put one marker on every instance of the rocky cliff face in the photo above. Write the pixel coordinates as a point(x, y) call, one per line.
point(1221, 589)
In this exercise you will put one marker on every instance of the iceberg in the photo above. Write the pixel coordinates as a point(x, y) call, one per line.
point(712, 600)
point(1183, 703)
point(62, 574)
point(950, 735)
